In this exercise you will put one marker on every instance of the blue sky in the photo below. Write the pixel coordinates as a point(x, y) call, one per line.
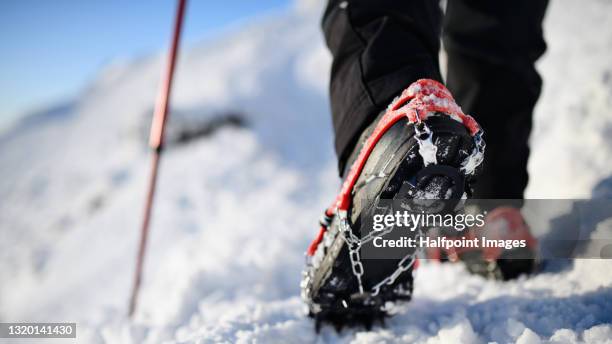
point(50, 49)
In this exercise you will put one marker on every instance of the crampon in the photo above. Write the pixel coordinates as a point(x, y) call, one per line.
point(422, 147)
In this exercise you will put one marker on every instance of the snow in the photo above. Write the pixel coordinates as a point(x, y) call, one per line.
point(236, 209)
point(428, 151)
point(476, 157)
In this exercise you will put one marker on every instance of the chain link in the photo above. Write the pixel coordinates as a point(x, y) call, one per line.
point(354, 244)
point(403, 265)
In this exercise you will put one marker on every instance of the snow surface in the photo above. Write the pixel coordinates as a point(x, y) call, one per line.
point(236, 209)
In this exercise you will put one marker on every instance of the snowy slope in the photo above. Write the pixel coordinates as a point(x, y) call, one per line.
point(236, 209)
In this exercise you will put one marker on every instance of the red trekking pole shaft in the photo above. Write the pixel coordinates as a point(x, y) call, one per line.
point(156, 141)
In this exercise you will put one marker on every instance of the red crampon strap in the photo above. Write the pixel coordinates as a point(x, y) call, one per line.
point(421, 99)
point(325, 223)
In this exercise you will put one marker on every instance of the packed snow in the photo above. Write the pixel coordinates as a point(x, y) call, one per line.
point(237, 205)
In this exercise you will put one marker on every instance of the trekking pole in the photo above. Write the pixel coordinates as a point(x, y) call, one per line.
point(156, 141)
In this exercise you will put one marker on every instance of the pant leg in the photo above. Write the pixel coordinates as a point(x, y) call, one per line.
point(492, 48)
point(379, 47)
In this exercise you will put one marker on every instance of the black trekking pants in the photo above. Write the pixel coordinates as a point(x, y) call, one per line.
point(380, 47)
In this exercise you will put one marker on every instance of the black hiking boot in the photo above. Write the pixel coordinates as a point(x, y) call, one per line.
point(421, 147)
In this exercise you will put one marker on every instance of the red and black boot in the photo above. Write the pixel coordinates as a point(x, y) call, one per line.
point(422, 147)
